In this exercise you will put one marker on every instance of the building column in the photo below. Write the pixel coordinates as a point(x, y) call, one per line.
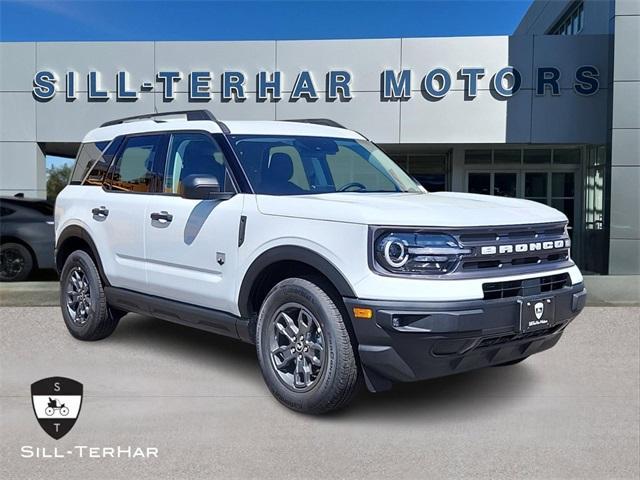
point(624, 247)
point(22, 163)
point(22, 169)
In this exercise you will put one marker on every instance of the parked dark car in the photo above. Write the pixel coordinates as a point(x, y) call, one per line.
point(26, 237)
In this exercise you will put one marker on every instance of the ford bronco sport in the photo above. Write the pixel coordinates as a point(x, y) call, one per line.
point(304, 238)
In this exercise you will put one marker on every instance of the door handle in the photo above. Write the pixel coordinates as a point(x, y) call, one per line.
point(100, 212)
point(163, 216)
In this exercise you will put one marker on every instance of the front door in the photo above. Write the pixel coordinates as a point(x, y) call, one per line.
point(192, 245)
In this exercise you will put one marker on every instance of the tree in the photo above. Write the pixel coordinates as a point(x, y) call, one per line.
point(57, 179)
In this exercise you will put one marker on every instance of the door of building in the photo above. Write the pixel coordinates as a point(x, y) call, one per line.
point(430, 169)
point(596, 235)
point(558, 188)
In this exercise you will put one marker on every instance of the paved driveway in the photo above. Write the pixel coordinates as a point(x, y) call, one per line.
point(570, 412)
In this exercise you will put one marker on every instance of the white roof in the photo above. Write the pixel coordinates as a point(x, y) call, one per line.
point(148, 126)
point(289, 128)
point(235, 128)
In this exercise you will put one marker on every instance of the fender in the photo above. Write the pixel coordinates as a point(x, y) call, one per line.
point(78, 232)
point(291, 253)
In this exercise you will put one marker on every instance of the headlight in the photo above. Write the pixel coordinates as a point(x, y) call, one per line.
point(417, 252)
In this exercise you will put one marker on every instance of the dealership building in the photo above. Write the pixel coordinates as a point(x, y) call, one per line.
point(550, 113)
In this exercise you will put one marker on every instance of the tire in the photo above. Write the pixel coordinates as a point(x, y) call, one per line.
point(16, 262)
point(511, 362)
point(87, 315)
point(64, 411)
point(49, 411)
point(312, 388)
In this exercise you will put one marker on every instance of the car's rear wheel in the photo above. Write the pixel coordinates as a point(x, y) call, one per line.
point(304, 349)
point(82, 299)
point(16, 262)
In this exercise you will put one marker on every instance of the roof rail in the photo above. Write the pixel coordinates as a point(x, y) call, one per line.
point(192, 115)
point(318, 121)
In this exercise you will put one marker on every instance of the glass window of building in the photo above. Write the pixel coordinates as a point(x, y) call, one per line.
point(477, 157)
point(594, 211)
point(510, 156)
point(505, 184)
point(535, 186)
point(571, 23)
point(537, 155)
point(567, 156)
point(429, 170)
point(479, 183)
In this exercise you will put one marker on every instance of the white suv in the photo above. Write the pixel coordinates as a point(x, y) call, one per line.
point(306, 239)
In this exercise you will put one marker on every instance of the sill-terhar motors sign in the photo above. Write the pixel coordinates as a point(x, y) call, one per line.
point(337, 85)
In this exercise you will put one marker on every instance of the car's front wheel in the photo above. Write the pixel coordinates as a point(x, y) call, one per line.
point(84, 307)
point(304, 350)
point(16, 262)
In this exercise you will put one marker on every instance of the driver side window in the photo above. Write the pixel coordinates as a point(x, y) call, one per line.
point(194, 154)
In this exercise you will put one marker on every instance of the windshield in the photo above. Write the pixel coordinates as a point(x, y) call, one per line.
point(299, 165)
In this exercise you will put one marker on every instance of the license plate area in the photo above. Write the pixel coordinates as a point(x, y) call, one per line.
point(536, 313)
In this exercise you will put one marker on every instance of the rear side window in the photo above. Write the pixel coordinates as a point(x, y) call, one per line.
point(101, 166)
point(88, 154)
point(135, 169)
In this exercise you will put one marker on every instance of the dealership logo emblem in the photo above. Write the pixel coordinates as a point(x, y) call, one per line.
point(538, 309)
point(56, 403)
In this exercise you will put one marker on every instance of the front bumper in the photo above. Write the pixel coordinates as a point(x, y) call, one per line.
point(409, 341)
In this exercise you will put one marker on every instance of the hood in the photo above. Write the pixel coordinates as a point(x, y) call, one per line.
point(442, 209)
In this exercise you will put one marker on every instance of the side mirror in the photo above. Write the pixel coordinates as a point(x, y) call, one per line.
point(203, 187)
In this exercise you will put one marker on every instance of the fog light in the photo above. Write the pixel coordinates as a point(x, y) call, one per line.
point(365, 313)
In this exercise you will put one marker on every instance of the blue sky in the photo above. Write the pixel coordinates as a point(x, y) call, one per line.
point(72, 20)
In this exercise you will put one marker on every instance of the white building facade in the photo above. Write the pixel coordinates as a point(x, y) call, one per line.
point(549, 113)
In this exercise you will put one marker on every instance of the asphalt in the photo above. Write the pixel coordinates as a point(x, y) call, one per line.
point(570, 412)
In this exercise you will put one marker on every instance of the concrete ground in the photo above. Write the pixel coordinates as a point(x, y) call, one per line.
point(570, 412)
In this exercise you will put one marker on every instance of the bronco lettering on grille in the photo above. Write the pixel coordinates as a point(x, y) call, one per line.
point(524, 247)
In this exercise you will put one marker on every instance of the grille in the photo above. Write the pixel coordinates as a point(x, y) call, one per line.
point(527, 287)
point(543, 245)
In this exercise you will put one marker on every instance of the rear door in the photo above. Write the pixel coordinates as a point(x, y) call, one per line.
point(192, 245)
point(118, 209)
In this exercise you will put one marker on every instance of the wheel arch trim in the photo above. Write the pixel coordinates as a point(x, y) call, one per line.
point(76, 231)
point(289, 253)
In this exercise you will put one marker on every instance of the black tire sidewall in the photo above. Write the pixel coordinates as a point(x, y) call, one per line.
point(28, 261)
point(325, 312)
point(98, 310)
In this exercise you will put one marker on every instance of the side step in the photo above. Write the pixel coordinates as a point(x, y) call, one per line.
point(207, 319)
